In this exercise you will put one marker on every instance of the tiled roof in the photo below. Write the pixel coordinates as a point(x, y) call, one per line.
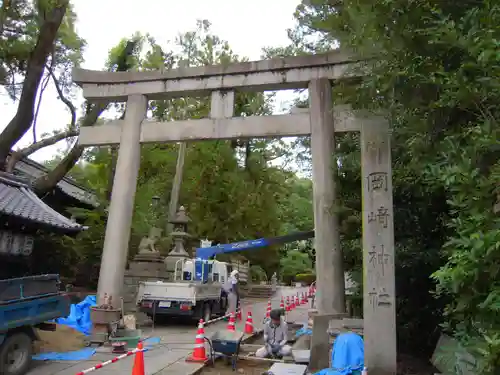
point(17, 199)
point(33, 170)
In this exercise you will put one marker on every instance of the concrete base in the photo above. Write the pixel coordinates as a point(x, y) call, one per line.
point(301, 356)
point(320, 341)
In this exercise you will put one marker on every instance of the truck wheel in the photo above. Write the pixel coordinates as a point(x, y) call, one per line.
point(15, 354)
point(207, 312)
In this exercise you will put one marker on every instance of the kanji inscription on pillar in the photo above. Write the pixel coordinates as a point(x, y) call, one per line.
point(379, 216)
point(379, 259)
point(380, 298)
point(378, 250)
point(377, 181)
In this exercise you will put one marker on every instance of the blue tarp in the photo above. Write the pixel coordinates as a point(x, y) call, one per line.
point(348, 355)
point(77, 355)
point(79, 316)
point(83, 354)
point(304, 331)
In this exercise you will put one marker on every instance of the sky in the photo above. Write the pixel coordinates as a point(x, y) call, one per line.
point(248, 26)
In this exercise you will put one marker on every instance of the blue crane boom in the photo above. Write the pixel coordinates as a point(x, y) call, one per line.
point(209, 252)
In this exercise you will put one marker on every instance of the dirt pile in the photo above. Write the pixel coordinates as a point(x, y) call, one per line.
point(63, 339)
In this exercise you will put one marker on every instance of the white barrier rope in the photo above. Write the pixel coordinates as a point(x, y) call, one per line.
point(116, 359)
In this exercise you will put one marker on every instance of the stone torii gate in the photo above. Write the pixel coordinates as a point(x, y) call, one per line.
point(321, 121)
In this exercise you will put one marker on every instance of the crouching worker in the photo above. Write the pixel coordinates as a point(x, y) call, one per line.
point(275, 337)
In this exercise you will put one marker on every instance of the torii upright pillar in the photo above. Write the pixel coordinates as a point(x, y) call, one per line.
point(329, 261)
point(121, 208)
point(330, 295)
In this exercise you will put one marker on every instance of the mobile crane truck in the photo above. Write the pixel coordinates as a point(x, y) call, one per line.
point(197, 289)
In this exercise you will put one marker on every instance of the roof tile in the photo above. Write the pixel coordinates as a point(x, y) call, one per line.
point(17, 199)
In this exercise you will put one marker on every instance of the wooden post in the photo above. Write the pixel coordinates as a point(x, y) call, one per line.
point(121, 207)
point(379, 300)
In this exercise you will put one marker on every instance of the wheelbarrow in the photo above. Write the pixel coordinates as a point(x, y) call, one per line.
point(226, 344)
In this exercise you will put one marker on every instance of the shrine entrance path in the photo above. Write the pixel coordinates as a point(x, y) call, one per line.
point(177, 342)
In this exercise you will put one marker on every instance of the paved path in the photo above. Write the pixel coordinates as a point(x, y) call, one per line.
point(167, 357)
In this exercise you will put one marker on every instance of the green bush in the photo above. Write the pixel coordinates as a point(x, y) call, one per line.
point(306, 278)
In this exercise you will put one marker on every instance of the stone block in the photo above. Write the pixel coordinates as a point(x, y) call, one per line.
point(320, 341)
point(311, 313)
point(288, 369)
point(144, 267)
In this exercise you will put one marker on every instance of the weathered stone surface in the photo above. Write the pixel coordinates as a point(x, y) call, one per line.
point(379, 290)
point(227, 128)
point(121, 207)
point(330, 295)
point(141, 268)
point(81, 76)
point(320, 342)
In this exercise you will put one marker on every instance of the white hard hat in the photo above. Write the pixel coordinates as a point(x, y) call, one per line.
point(234, 273)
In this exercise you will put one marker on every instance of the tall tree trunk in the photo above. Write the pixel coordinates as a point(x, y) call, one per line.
point(176, 186)
point(21, 122)
point(47, 182)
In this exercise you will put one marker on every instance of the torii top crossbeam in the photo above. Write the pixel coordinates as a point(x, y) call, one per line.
point(265, 75)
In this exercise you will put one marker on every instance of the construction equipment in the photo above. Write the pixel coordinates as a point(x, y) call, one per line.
point(212, 251)
point(226, 344)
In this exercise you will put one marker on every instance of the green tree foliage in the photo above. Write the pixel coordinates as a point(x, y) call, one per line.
point(435, 69)
point(296, 262)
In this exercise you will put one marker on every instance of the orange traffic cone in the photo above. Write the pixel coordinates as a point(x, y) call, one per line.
point(249, 324)
point(282, 304)
point(297, 301)
point(198, 354)
point(292, 303)
point(268, 310)
point(231, 324)
point(138, 368)
point(288, 306)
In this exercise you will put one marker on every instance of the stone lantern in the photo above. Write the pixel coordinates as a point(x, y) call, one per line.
point(179, 235)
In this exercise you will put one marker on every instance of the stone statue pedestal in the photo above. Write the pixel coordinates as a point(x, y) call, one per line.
point(146, 266)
